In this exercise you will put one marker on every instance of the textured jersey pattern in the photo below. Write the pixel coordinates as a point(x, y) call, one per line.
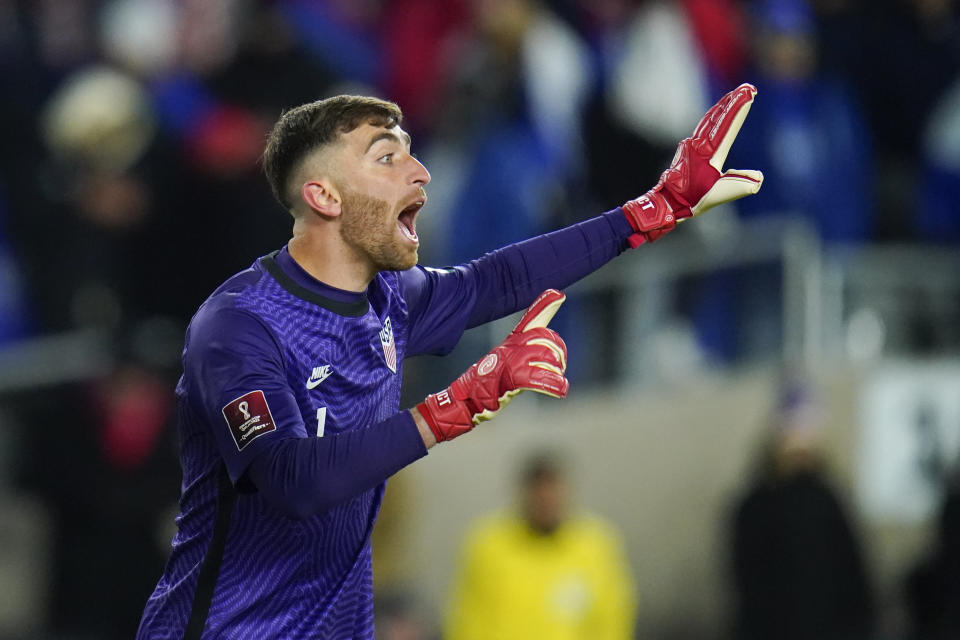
point(313, 576)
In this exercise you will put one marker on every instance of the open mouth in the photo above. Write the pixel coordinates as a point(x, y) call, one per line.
point(407, 220)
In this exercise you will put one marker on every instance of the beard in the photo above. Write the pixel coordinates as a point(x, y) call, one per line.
point(369, 226)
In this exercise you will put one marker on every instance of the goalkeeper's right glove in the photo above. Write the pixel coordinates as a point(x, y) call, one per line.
point(695, 180)
point(532, 358)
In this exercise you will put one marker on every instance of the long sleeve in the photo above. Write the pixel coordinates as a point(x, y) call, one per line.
point(445, 302)
point(307, 476)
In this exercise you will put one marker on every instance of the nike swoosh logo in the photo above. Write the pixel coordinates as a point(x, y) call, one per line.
point(313, 382)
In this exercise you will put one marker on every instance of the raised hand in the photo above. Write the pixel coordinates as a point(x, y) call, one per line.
point(532, 358)
point(695, 180)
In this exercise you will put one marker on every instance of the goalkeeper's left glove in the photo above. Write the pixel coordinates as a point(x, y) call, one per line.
point(695, 180)
point(532, 358)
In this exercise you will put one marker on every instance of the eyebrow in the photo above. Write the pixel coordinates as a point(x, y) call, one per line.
point(389, 135)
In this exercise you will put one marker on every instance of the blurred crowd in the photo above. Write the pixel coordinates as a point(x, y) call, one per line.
point(130, 185)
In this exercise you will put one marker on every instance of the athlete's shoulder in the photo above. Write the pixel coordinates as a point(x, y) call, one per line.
point(390, 281)
point(237, 285)
point(420, 283)
point(389, 288)
point(223, 313)
point(234, 286)
point(412, 282)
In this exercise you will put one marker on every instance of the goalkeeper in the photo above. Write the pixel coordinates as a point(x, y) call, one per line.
point(289, 418)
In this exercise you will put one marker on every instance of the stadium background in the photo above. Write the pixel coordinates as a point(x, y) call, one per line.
point(129, 188)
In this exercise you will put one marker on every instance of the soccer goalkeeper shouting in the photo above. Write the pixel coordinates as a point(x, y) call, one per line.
point(289, 416)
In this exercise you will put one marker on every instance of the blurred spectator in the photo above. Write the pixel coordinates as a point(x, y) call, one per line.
point(937, 217)
point(907, 54)
point(805, 131)
point(422, 41)
point(341, 34)
point(655, 64)
point(521, 81)
point(538, 571)
point(652, 91)
point(96, 205)
point(216, 107)
point(108, 209)
point(101, 457)
point(933, 585)
point(507, 144)
point(808, 136)
point(720, 28)
point(797, 566)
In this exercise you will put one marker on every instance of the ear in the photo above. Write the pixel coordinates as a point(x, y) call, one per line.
point(321, 196)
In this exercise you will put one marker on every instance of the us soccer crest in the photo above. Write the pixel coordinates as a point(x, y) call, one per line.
point(389, 345)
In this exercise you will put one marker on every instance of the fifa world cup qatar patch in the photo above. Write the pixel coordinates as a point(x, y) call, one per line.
point(248, 418)
point(389, 346)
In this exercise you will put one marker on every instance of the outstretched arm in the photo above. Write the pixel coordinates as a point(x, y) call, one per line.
point(443, 303)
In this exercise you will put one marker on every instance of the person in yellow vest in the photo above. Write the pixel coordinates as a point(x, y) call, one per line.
point(539, 571)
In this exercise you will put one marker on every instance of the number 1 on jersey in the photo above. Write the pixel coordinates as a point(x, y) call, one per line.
point(321, 420)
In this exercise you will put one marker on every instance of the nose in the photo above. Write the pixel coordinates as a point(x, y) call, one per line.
point(420, 174)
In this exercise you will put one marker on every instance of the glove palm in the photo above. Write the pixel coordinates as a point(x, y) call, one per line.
point(695, 180)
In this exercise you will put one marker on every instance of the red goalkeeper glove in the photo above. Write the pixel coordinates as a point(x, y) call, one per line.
point(695, 180)
point(532, 358)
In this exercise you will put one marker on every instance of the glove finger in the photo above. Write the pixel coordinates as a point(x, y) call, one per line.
point(559, 354)
point(541, 311)
point(545, 352)
point(723, 106)
point(553, 341)
point(547, 366)
point(725, 130)
point(732, 186)
point(490, 414)
point(535, 360)
point(751, 175)
point(547, 382)
point(710, 118)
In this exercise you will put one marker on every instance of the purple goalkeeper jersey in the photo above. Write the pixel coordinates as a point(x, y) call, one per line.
point(290, 378)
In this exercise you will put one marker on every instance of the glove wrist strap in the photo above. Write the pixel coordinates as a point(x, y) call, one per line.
point(446, 416)
point(652, 216)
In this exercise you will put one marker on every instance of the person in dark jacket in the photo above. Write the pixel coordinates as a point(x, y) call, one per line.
point(797, 565)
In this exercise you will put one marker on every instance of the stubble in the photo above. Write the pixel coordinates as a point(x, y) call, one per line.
point(369, 226)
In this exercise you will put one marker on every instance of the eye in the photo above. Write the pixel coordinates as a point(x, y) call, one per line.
point(385, 159)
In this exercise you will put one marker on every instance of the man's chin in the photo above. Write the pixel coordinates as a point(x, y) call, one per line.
point(411, 263)
point(408, 261)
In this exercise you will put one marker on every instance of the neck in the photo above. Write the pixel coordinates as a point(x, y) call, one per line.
point(324, 255)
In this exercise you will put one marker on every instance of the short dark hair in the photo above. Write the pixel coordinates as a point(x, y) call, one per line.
point(310, 126)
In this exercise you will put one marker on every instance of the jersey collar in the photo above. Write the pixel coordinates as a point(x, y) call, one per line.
point(291, 276)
